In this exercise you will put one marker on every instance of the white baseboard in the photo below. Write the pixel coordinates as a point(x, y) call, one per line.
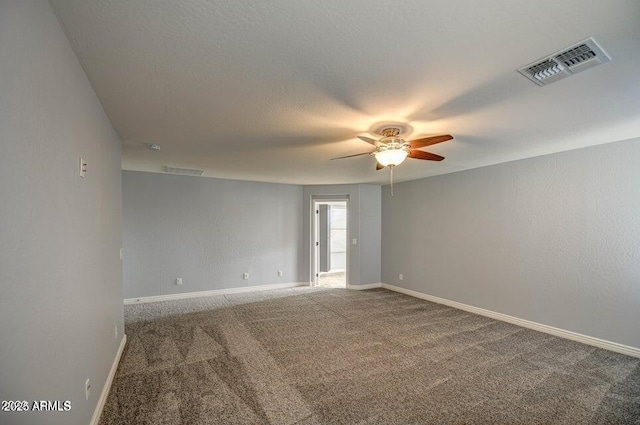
point(365, 286)
point(585, 339)
point(107, 385)
point(226, 291)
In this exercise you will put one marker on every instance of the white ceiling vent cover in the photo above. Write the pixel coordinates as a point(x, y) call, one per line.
point(583, 55)
point(183, 171)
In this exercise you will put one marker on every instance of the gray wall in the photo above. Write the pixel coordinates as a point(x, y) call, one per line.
point(370, 233)
point(553, 239)
point(61, 235)
point(207, 231)
point(364, 225)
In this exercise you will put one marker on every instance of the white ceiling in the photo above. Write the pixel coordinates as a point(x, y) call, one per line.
point(271, 90)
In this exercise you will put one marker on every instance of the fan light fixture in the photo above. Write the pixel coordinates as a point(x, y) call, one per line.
point(392, 150)
point(391, 157)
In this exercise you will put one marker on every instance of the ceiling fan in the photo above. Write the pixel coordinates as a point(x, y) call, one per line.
point(392, 150)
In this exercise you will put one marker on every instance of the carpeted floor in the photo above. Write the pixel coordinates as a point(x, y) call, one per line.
point(333, 356)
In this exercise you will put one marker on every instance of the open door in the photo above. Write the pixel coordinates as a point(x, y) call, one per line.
point(329, 243)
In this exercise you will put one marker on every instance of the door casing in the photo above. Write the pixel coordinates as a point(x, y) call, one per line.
point(315, 234)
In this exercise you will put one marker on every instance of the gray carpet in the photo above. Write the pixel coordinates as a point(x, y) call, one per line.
point(333, 356)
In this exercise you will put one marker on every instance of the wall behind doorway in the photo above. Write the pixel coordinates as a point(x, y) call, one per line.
point(338, 237)
point(208, 232)
point(364, 226)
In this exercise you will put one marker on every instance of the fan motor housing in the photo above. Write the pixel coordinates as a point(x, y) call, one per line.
point(404, 129)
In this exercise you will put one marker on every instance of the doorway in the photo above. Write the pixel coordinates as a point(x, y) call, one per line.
point(330, 242)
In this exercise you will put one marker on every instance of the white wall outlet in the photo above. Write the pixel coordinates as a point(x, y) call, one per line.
point(83, 167)
point(87, 388)
point(115, 331)
point(354, 241)
point(279, 273)
point(401, 276)
point(245, 276)
point(179, 281)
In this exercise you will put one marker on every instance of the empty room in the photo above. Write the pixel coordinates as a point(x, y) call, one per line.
point(307, 212)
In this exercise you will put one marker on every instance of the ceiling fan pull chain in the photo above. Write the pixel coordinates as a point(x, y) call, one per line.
point(391, 170)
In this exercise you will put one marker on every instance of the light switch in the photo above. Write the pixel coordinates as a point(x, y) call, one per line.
point(354, 241)
point(83, 167)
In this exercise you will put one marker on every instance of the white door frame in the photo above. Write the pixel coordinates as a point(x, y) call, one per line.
point(315, 233)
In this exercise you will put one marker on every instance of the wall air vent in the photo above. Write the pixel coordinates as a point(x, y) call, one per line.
point(562, 64)
point(182, 171)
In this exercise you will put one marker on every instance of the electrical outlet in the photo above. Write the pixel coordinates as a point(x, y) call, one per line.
point(87, 388)
point(401, 276)
point(279, 273)
point(245, 276)
point(83, 167)
point(179, 281)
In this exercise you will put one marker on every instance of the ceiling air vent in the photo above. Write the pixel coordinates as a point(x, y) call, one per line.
point(569, 61)
point(183, 171)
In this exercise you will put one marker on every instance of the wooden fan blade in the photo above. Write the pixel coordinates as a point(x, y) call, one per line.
point(368, 140)
point(428, 141)
point(425, 155)
point(350, 156)
point(378, 166)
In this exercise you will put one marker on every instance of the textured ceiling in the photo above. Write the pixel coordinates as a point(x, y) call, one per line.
point(270, 91)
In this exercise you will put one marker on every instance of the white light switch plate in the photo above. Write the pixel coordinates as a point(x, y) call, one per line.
point(83, 167)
